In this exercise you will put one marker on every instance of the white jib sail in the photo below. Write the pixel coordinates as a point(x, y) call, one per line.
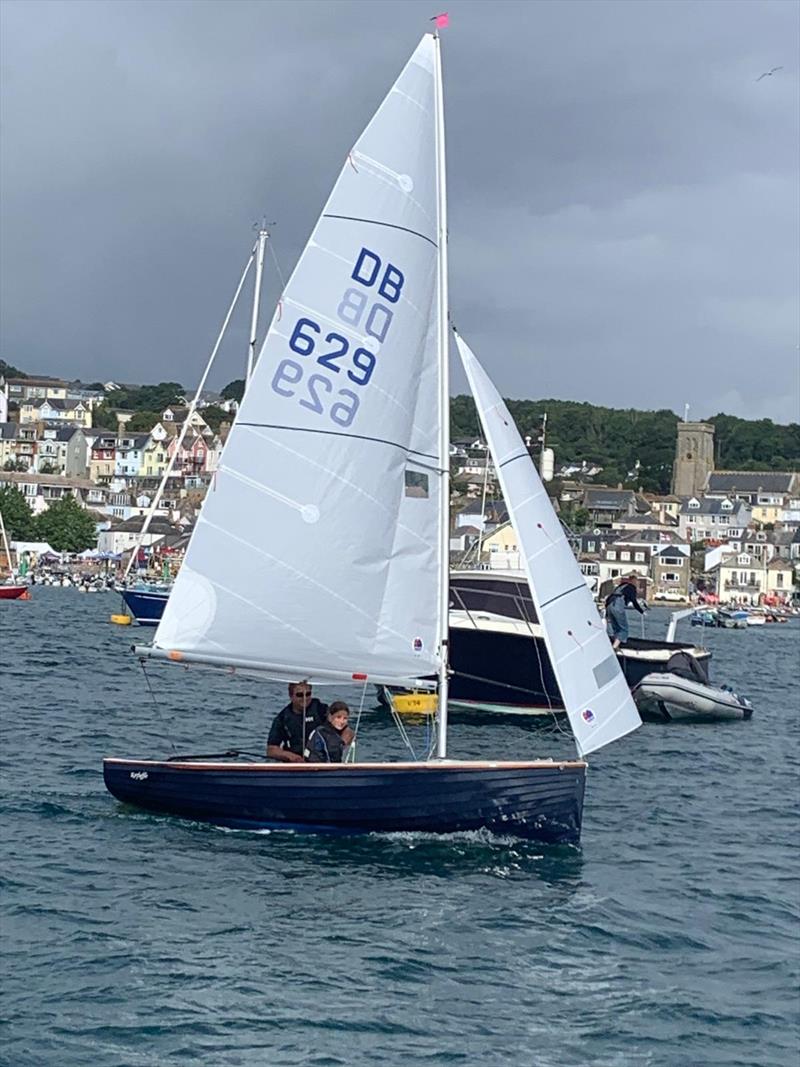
point(316, 552)
point(595, 694)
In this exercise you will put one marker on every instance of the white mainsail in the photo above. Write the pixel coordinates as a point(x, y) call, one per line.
point(317, 552)
point(595, 694)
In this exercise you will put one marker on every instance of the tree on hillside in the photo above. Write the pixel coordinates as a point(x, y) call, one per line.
point(143, 421)
point(234, 390)
point(214, 416)
point(18, 518)
point(66, 526)
point(8, 371)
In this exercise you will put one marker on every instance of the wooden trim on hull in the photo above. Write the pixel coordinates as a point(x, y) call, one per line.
point(539, 799)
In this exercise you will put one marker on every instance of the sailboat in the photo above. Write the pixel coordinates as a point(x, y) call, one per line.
point(322, 552)
point(10, 587)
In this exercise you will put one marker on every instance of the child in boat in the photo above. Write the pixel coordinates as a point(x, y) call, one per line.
point(326, 744)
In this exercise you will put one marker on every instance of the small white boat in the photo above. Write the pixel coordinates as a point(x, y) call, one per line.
point(756, 620)
point(672, 698)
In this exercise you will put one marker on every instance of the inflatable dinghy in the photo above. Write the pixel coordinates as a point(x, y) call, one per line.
point(671, 698)
point(683, 693)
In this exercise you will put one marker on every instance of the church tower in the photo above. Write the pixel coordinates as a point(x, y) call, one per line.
point(694, 458)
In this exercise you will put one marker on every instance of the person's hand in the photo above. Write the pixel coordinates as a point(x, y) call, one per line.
point(292, 757)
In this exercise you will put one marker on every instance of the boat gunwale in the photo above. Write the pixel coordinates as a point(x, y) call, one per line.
point(424, 766)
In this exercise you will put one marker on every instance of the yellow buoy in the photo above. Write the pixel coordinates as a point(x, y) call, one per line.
point(121, 620)
point(415, 703)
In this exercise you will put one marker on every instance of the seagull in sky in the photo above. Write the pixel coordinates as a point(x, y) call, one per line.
point(768, 73)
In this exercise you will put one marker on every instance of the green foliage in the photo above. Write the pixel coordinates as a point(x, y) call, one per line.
point(234, 390)
point(616, 438)
point(18, 518)
point(66, 526)
point(143, 421)
point(47, 468)
point(139, 398)
point(15, 465)
point(214, 416)
point(8, 371)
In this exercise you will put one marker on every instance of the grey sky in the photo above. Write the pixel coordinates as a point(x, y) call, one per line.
point(623, 193)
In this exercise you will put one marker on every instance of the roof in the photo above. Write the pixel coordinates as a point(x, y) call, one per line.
point(37, 381)
point(780, 564)
point(47, 479)
point(647, 537)
point(673, 551)
point(8, 430)
point(138, 440)
point(751, 481)
point(57, 405)
point(710, 506)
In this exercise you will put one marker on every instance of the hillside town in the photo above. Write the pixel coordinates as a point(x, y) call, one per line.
point(727, 536)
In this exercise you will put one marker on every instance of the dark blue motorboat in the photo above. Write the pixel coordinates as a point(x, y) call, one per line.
point(146, 605)
point(542, 800)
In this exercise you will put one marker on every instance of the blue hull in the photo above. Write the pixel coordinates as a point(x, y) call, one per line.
point(146, 608)
point(542, 801)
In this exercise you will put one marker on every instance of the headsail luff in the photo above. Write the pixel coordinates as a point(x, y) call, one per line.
point(595, 694)
point(317, 543)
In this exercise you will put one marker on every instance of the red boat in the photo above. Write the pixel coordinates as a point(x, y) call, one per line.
point(14, 592)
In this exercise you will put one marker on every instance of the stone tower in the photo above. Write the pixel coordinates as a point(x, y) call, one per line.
point(694, 458)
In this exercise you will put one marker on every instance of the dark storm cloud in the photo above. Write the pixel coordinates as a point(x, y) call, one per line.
point(623, 193)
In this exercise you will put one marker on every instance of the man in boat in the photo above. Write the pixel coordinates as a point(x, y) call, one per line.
point(295, 723)
point(327, 744)
point(617, 601)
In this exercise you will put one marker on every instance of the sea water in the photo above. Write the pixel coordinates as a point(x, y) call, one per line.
point(670, 937)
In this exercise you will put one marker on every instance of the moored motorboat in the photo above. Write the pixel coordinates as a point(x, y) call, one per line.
point(146, 604)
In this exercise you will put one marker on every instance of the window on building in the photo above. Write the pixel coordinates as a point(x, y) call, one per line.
point(612, 555)
point(639, 557)
point(671, 576)
point(624, 555)
point(779, 579)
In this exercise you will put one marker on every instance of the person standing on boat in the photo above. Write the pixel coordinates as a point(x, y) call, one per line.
point(616, 602)
point(295, 723)
point(327, 744)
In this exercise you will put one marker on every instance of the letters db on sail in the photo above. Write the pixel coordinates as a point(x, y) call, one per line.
point(328, 370)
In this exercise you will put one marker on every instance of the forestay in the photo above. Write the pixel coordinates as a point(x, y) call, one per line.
point(316, 553)
point(595, 694)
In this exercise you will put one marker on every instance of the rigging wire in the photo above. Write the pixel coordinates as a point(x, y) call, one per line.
point(157, 706)
point(351, 752)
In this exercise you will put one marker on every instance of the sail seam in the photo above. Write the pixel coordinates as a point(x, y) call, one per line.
point(521, 455)
point(558, 596)
point(378, 222)
point(335, 433)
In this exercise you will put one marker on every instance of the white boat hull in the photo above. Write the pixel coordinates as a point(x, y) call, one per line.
point(671, 698)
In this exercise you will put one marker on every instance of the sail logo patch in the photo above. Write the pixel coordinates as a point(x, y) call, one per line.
point(588, 716)
point(418, 645)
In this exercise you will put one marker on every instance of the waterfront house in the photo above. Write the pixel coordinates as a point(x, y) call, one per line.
point(52, 409)
point(154, 458)
point(102, 455)
point(40, 490)
point(18, 446)
point(64, 449)
point(614, 562)
point(605, 505)
point(741, 578)
point(704, 518)
point(671, 572)
point(128, 454)
point(20, 390)
point(780, 580)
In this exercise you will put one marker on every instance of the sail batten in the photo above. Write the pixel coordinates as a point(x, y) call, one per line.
point(317, 544)
point(593, 690)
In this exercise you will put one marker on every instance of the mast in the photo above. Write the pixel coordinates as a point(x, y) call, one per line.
point(5, 545)
point(444, 409)
point(261, 245)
